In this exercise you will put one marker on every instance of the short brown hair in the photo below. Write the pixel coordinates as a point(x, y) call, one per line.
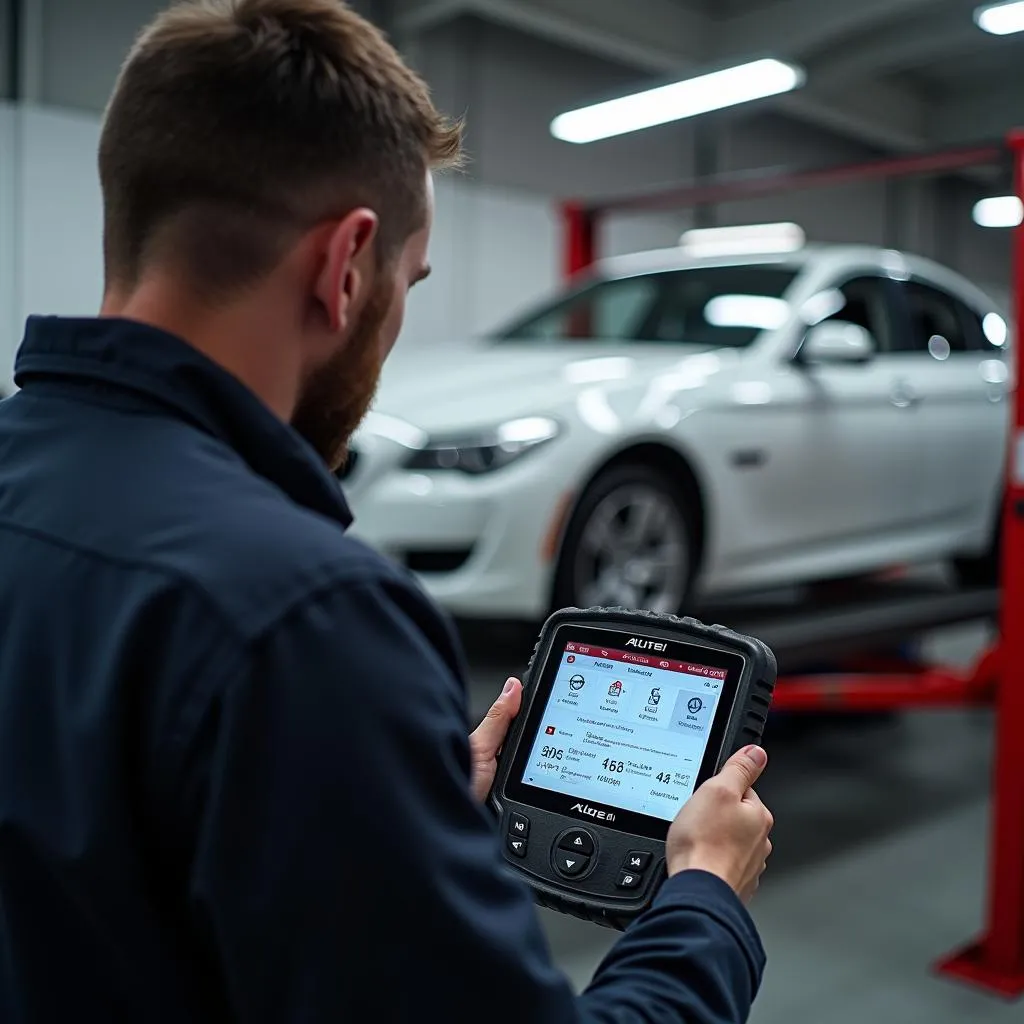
point(237, 124)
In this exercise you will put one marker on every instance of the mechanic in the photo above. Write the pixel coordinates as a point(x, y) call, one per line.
point(235, 777)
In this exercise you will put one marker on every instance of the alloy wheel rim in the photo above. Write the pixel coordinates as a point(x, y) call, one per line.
point(633, 552)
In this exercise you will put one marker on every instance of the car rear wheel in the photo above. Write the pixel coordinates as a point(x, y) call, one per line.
point(982, 570)
point(629, 544)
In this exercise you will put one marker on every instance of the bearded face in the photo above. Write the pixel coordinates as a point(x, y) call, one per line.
point(337, 395)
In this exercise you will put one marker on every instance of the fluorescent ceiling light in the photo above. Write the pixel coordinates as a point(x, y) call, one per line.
point(1001, 19)
point(999, 212)
point(746, 240)
point(741, 84)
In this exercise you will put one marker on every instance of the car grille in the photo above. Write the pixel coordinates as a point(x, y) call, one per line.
point(435, 560)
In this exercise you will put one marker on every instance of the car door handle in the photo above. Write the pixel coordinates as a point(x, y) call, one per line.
point(903, 396)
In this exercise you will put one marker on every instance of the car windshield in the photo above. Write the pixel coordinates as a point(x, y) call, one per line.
point(719, 307)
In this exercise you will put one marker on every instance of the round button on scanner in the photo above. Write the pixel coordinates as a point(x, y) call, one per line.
point(570, 864)
point(578, 841)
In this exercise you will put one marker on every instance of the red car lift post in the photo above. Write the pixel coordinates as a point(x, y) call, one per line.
point(996, 961)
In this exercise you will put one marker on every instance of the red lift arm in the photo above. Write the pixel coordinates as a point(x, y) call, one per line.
point(996, 961)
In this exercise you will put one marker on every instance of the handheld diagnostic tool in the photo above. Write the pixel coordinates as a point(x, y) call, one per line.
point(624, 714)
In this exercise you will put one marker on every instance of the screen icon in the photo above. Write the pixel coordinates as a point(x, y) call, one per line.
point(665, 664)
point(576, 682)
point(571, 658)
point(615, 689)
point(694, 704)
point(550, 730)
point(655, 696)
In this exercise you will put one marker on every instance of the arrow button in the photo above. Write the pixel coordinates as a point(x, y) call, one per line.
point(571, 864)
point(577, 840)
point(516, 846)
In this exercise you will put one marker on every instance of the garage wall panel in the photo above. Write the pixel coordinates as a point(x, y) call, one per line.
point(492, 250)
point(849, 213)
point(83, 45)
point(437, 306)
point(84, 42)
point(510, 253)
point(511, 86)
point(62, 224)
point(625, 234)
point(983, 254)
point(9, 327)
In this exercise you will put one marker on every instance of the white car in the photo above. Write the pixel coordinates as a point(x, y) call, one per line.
point(675, 427)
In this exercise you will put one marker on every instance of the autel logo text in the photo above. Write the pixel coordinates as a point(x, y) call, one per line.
point(593, 812)
point(646, 645)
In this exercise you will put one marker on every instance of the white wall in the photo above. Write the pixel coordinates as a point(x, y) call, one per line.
point(494, 249)
point(62, 226)
point(50, 220)
point(8, 234)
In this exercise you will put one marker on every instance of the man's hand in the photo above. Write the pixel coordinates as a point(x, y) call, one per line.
point(724, 827)
point(489, 735)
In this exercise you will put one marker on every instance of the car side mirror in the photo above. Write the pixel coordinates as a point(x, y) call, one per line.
point(834, 342)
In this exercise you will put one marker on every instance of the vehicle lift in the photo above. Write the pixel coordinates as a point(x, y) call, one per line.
point(870, 617)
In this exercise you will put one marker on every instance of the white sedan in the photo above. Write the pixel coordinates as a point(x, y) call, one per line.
point(676, 427)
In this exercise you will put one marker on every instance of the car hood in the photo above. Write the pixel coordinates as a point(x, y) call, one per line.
point(468, 386)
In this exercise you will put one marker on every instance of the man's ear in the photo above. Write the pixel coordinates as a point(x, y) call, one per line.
point(348, 264)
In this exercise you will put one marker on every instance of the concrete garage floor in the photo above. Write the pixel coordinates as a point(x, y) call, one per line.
point(879, 863)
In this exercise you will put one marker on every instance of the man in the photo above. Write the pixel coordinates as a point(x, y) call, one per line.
point(235, 782)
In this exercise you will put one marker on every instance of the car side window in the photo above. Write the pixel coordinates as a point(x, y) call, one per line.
point(610, 310)
point(936, 323)
point(865, 302)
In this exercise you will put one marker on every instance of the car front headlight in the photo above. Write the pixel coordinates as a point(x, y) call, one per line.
point(485, 451)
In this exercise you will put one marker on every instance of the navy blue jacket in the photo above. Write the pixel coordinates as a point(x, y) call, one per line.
point(234, 768)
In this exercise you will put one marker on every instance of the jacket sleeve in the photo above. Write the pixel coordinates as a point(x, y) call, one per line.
point(341, 870)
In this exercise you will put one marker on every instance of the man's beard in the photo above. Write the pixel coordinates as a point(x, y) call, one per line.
point(337, 395)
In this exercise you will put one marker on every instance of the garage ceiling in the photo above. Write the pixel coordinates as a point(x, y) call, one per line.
point(901, 74)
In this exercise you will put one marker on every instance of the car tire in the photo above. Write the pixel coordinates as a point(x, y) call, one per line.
point(631, 542)
point(982, 570)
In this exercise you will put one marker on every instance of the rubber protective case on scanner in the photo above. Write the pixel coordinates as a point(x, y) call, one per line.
point(670, 699)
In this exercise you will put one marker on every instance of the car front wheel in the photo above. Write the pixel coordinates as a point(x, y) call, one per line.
point(629, 544)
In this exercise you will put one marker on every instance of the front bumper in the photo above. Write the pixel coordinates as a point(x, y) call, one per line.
point(476, 543)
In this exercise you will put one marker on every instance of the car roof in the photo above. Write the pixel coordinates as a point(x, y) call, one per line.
point(822, 255)
point(677, 258)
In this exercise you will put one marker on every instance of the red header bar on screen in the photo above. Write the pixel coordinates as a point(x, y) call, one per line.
point(650, 660)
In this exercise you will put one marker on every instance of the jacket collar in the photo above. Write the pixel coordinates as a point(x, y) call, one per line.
point(149, 365)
